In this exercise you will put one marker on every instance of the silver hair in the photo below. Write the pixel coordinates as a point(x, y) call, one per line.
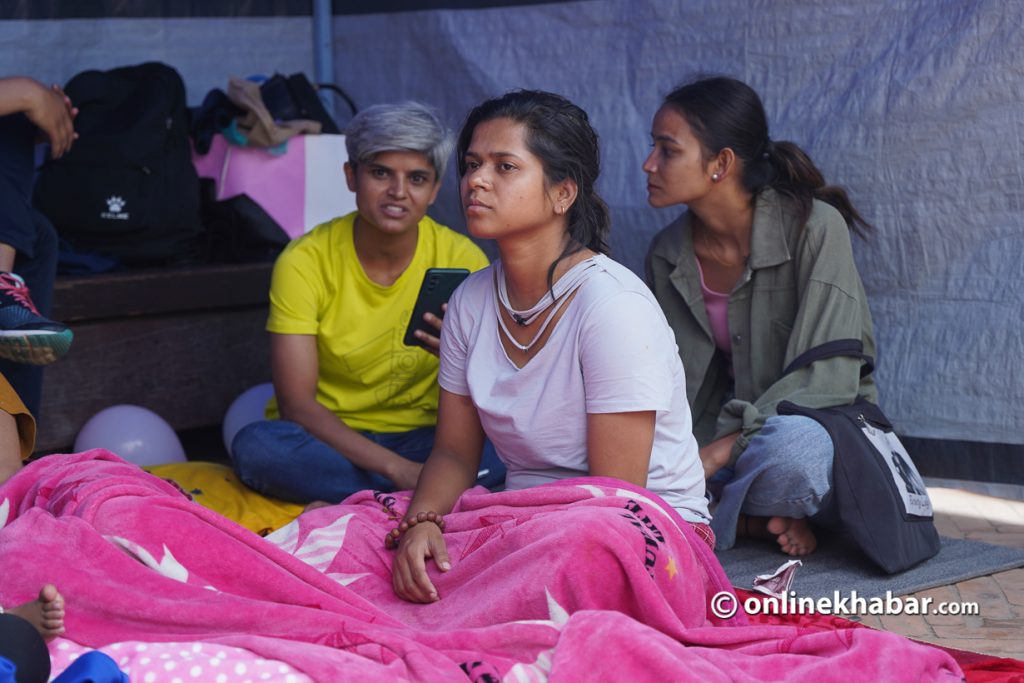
point(403, 127)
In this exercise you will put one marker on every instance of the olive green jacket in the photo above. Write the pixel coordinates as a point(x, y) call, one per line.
point(800, 289)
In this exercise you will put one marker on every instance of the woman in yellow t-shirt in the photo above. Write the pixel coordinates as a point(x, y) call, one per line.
point(354, 407)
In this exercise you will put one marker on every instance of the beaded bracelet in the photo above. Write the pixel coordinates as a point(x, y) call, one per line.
point(391, 539)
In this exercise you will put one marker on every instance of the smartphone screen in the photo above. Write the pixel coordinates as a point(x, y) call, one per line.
point(438, 285)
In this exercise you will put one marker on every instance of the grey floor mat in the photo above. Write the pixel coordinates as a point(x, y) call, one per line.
point(838, 565)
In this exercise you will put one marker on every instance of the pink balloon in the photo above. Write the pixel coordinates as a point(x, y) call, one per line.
point(134, 433)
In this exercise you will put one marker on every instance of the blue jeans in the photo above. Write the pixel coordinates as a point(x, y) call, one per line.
point(31, 235)
point(785, 471)
point(281, 459)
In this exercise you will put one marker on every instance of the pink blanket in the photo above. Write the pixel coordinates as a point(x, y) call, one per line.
point(586, 580)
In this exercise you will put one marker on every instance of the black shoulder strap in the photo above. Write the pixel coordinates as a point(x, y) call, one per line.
point(838, 347)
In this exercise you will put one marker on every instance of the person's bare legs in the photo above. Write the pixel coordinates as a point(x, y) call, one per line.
point(782, 478)
point(46, 612)
point(793, 534)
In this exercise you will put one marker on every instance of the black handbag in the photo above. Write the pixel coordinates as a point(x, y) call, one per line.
point(880, 498)
point(294, 97)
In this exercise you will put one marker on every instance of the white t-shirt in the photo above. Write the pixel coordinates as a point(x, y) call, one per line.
point(611, 352)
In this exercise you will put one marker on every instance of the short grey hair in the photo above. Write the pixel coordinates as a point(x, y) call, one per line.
point(403, 127)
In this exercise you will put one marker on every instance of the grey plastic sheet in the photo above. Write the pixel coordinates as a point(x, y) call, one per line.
point(916, 107)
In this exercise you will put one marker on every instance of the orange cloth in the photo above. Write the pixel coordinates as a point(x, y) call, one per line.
point(11, 403)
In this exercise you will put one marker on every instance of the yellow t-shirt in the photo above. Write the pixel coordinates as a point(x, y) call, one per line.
point(367, 376)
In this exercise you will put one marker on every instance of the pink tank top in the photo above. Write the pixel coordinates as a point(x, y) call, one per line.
point(717, 306)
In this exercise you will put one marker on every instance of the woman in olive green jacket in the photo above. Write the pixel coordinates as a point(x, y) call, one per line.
point(758, 270)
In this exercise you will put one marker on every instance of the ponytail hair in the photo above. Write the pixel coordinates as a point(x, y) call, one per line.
point(724, 112)
point(559, 134)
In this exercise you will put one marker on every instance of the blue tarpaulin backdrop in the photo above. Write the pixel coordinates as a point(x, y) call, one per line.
point(916, 106)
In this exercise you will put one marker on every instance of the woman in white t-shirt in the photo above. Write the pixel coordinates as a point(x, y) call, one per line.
point(556, 353)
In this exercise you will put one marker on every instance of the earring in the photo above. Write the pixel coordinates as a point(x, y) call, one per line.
point(715, 177)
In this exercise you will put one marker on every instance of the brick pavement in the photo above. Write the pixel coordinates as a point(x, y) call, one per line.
point(998, 628)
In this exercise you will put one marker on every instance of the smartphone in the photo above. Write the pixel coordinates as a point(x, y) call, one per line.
point(438, 285)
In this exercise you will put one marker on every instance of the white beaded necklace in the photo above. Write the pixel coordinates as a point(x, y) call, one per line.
point(565, 286)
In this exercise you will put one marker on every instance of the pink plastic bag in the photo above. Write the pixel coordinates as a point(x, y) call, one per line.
point(300, 189)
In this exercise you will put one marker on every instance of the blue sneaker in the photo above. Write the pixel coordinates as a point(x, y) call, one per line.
point(25, 335)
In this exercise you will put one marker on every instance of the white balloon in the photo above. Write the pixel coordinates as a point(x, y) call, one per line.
point(247, 408)
point(134, 433)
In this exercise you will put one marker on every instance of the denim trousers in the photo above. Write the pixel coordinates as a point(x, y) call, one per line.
point(785, 471)
point(281, 459)
point(33, 238)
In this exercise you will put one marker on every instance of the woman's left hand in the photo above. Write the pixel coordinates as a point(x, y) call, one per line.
point(431, 342)
point(409, 571)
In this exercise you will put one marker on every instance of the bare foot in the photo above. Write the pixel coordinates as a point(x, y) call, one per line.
point(316, 505)
point(793, 535)
point(46, 612)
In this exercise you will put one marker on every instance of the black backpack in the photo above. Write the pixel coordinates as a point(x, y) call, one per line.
point(127, 188)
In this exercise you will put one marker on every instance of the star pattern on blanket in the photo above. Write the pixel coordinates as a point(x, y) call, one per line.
point(286, 538)
point(345, 579)
point(595, 491)
point(540, 668)
point(605, 621)
point(319, 548)
point(496, 528)
point(559, 615)
point(168, 565)
point(671, 569)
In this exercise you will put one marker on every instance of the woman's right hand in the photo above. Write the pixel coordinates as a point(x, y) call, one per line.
point(717, 454)
point(53, 113)
point(409, 570)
